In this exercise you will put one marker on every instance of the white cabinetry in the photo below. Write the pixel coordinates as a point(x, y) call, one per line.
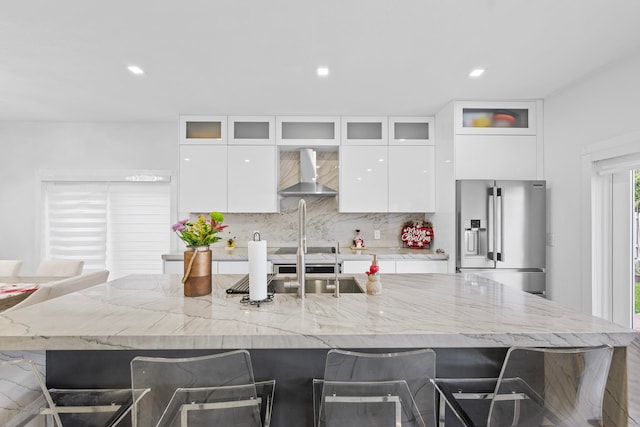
point(415, 266)
point(496, 157)
point(411, 130)
point(177, 267)
point(217, 267)
point(364, 178)
point(203, 178)
point(252, 130)
point(307, 131)
point(496, 118)
point(252, 182)
point(360, 267)
point(412, 178)
point(397, 266)
point(203, 129)
point(498, 140)
point(364, 131)
point(398, 176)
point(238, 177)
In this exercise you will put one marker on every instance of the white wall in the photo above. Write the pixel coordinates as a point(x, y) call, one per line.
point(604, 105)
point(26, 147)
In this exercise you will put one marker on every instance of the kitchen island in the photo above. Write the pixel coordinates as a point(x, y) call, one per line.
point(454, 314)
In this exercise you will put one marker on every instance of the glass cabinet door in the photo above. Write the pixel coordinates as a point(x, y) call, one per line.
point(203, 130)
point(496, 118)
point(411, 131)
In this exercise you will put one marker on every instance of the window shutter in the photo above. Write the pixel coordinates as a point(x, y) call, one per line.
point(75, 223)
point(123, 227)
point(139, 227)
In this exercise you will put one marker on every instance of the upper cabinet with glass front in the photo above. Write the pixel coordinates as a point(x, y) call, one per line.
point(210, 130)
point(495, 118)
point(364, 130)
point(252, 130)
point(302, 131)
point(411, 131)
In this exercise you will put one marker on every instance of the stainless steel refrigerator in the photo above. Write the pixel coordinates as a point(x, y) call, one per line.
point(501, 231)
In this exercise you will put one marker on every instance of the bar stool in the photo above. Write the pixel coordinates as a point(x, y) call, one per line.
point(208, 390)
point(364, 389)
point(24, 399)
point(537, 386)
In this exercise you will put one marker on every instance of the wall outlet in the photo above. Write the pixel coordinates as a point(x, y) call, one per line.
point(376, 234)
point(550, 239)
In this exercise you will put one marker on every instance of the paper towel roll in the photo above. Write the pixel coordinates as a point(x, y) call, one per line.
point(257, 270)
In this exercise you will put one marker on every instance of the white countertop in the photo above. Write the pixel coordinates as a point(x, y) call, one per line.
point(422, 310)
point(240, 254)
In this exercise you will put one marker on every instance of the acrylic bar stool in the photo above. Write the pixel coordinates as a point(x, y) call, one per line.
point(196, 391)
point(536, 387)
point(24, 399)
point(366, 389)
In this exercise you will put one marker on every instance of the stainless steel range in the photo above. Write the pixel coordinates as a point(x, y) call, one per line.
point(289, 267)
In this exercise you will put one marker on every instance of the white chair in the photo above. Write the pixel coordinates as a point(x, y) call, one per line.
point(60, 268)
point(10, 267)
point(47, 291)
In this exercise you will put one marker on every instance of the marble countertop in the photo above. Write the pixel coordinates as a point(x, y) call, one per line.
point(240, 254)
point(425, 310)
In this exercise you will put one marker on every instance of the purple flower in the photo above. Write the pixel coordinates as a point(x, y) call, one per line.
point(179, 226)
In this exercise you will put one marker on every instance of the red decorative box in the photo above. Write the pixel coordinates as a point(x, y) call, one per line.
point(416, 235)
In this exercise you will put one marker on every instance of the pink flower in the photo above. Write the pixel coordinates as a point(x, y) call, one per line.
point(179, 226)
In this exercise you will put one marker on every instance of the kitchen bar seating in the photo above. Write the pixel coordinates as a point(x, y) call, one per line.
point(24, 399)
point(536, 387)
point(367, 389)
point(207, 390)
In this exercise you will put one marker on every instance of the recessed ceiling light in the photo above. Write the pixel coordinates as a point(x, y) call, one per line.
point(135, 70)
point(322, 71)
point(476, 72)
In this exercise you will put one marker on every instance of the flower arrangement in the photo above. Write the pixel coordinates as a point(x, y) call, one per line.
point(201, 232)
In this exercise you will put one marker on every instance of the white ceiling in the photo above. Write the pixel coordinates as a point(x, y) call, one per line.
point(66, 59)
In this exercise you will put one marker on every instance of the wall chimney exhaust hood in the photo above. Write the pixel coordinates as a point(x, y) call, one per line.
point(308, 185)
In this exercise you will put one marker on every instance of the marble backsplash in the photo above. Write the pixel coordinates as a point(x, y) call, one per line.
point(325, 225)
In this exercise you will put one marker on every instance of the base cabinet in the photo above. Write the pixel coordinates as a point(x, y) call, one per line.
point(406, 266)
point(177, 267)
point(396, 266)
point(217, 267)
point(359, 267)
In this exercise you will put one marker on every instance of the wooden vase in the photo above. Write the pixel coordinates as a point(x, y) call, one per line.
point(197, 272)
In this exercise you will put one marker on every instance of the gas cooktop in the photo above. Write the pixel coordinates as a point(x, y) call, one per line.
point(310, 250)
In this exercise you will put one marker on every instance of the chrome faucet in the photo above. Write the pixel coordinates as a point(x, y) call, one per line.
point(302, 247)
point(336, 292)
